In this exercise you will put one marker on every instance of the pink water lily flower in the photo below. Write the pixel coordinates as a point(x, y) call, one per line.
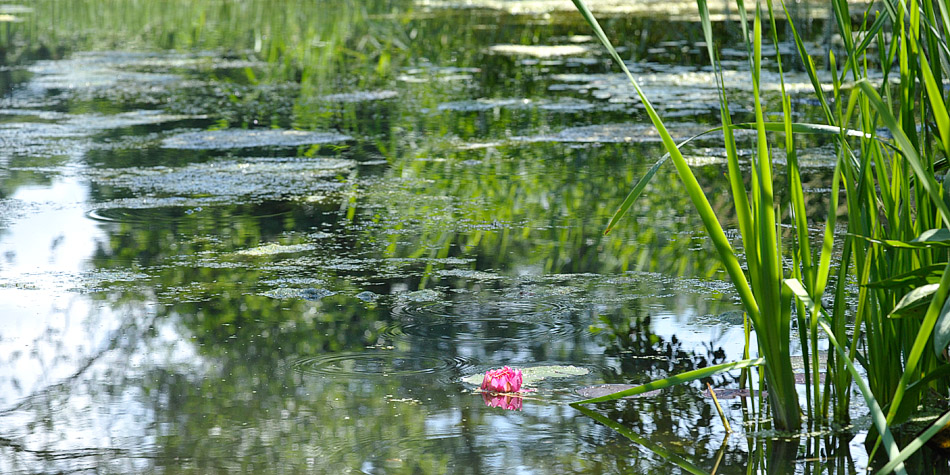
point(508, 402)
point(503, 380)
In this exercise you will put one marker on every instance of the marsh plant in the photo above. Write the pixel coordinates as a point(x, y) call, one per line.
point(891, 133)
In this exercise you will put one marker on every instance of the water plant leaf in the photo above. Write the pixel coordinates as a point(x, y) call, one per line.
point(535, 374)
point(877, 415)
point(690, 183)
point(635, 193)
point(796, 127)
point(915, 278)
point(275, 248)
point(907, 148)
point(927, 239)
point(674, 380)
point(913, 301)
point(915, 445)
point(942, 330)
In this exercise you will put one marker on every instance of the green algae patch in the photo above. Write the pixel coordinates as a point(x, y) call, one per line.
point(274, 249)
point(248, 138)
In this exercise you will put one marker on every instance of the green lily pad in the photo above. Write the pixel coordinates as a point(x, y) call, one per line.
point(535, 374)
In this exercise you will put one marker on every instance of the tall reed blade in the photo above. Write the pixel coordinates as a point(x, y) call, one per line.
point(760, 239)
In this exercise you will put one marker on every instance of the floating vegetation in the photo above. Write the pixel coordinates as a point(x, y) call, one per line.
point(689, 90)
point(247, 138)
point(468, 274)
point(481, 104)
point(91, 122)
point(378, 363)
point(730, 393)
point(367, 296)
point(308, 293)
point(617, 133)
point(438, 74)
point(425, 295)
point(258, 178)
point(288, 281)
point(274, 248)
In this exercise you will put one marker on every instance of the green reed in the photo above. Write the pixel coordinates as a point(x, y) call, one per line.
point(762, 294)
point(895, 246)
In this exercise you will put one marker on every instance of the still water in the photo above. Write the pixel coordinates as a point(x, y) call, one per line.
point(277, 236)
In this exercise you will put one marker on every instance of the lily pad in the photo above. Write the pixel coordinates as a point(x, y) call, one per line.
point(535, 374)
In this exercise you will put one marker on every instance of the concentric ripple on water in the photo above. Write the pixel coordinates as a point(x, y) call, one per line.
point(382, 363)
point(477, 318)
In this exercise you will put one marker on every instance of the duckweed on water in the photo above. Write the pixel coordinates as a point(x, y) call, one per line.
point(307, 293)
point(229, 180)
point(274, 249)
point(238, 138)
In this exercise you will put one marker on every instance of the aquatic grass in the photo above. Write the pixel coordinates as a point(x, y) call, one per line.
point(896, 228)
point(676, 380)
point(899, 229)
point(893, 200)
point(761, 294)
point(877, 415)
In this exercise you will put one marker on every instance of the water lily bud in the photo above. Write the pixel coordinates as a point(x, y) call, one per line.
point(503, 380)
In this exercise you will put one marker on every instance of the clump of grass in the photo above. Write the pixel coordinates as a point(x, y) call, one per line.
point(897, 222)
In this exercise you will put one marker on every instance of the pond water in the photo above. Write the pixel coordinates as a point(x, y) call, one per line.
point(278, 237)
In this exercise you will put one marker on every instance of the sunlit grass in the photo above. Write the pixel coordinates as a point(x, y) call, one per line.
point(897, 218)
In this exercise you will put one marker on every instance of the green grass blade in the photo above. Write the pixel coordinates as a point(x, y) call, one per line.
point(937, 106)
point(676, 379)
point(915, 278)
point(942, 330)
point(907, 148)
point(634, 194)
point(920, 342)
point(931, 238)
point(877, 415)
point(914, 300)
point(690, 184)
point(739, 194)
point(636, 438)
point(644, 181)
point(915, 444)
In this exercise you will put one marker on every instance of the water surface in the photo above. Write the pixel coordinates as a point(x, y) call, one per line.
point(238, 240)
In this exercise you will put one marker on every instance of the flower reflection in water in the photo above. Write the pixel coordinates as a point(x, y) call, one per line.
point(504, 401)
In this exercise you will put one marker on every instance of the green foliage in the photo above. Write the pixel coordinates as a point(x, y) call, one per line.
point(897, 217)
